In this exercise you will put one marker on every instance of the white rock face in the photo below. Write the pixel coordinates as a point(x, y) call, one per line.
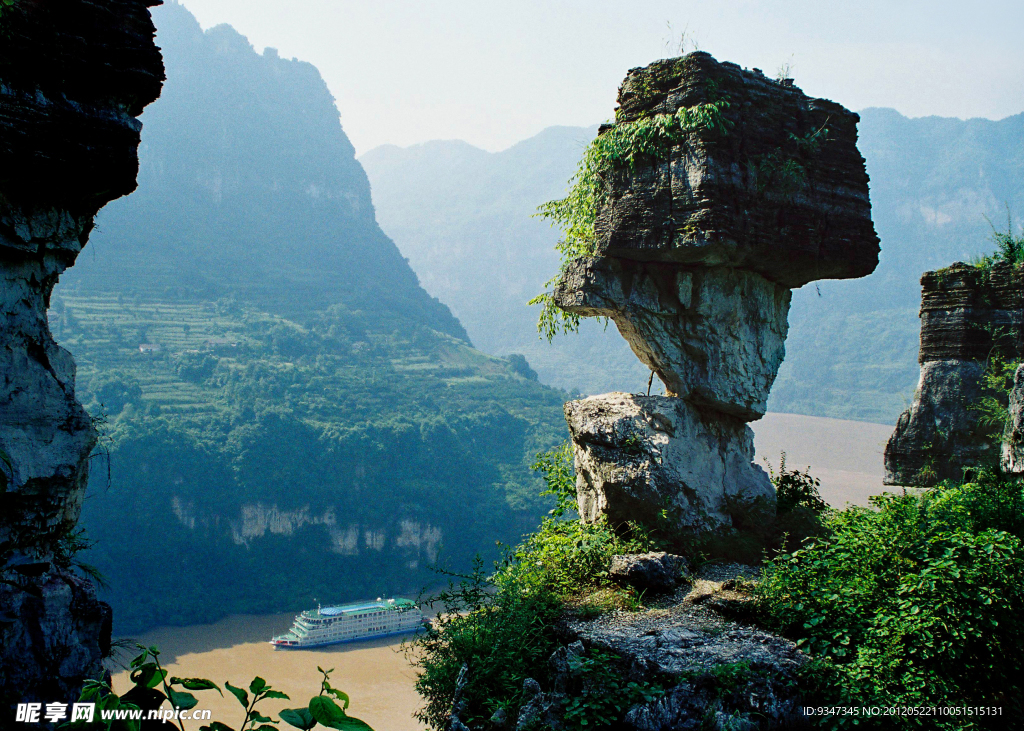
point(715, 337)
point(637, 455)
point(1012, 457)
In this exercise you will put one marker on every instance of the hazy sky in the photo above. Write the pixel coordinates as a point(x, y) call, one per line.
point(493, 73)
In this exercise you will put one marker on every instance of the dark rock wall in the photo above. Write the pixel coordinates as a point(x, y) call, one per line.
point(73, 77)
point(764, 195)
point(968, 315)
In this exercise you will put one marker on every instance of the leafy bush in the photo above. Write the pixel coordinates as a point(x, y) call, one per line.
point(500, 626)
point(996, 383)
point(1009, 248)
point(917, 602)
point(795, 489)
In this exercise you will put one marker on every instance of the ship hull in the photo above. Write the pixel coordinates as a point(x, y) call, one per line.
point(311, 645)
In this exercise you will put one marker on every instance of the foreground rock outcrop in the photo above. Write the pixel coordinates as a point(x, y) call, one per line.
point(696, 250)
point(655, 572)
point(968, 316)
point(704, 668)
point(73, 77)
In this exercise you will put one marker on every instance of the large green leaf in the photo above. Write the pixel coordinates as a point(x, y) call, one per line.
point(196, 684)
point(238, 693)
point(340, 695)
point(325, 711)
point(298, 717)
point(328, 713)
point(140, 658)
point(257, 685)
point(275, 694)
point(180, 699)
point(148, 675)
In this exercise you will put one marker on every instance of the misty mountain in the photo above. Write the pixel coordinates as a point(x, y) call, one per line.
point(462, 216)
point(286, 414)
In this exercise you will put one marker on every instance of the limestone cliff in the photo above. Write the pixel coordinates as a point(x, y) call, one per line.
point(695, 253)
point(967, 314)
point(73, 77)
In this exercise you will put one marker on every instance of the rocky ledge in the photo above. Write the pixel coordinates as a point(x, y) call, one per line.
point(714, 670)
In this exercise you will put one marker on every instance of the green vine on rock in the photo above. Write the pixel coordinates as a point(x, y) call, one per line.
point(624, 145)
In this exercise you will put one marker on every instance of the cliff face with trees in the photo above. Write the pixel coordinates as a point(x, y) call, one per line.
point(73, 79)
point(283, 403)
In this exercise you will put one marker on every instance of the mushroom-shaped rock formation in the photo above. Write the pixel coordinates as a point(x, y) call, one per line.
point(721, 190)
point(73, 77)
point(968, 315)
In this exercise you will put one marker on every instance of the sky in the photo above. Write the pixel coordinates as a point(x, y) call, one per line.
point(494, 73)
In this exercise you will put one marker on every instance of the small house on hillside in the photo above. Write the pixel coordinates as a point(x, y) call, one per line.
point(150, 348)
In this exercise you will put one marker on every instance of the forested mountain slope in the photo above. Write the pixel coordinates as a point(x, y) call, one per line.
point(290, 417)
point(852, 345)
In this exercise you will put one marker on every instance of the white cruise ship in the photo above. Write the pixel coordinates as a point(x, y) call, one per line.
point(348, 622)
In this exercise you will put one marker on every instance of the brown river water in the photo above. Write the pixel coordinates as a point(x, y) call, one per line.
point(375, 673)
point(845, 455)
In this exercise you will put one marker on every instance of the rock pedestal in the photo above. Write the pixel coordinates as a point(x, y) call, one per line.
point(968, 315)
point(696, 250)
point(73, 77)
point(637, 456)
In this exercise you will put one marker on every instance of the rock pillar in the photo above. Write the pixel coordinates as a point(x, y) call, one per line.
point(696, 249)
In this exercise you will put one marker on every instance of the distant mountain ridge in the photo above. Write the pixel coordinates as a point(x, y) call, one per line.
point(852, 346)
point(464, 217)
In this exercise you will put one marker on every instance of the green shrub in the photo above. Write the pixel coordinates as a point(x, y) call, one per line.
point(500, 626)
point(917, 602)
point(1009, 248)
